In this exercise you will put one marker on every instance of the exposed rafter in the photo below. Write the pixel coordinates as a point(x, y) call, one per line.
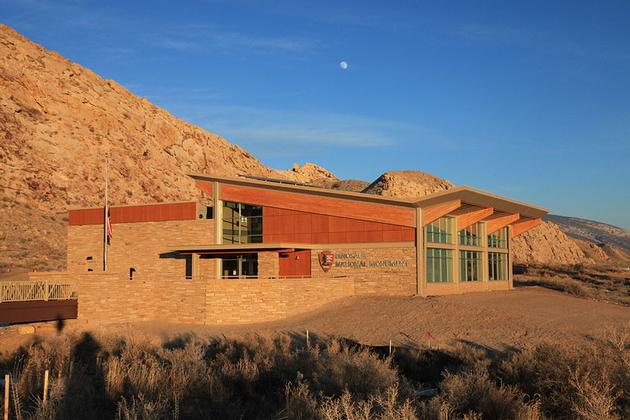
point(500, 220)
point(468, 215)
point(524, 225)
point(433, 213)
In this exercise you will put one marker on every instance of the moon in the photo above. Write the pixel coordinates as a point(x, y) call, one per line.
point(343, 65)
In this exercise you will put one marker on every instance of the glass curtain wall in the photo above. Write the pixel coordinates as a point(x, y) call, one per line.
point(439, 265)
point(242, 223)
point(497, 266)
point(439, 261)
point(469, 266)
point(441, 231)
point(498, 239)
point(471, 236)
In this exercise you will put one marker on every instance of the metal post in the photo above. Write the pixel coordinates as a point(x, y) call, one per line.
point(7, 383)
point(106, 210)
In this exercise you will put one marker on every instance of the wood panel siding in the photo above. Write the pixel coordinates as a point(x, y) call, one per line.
point(433, 213)
point(500, 220)
point(282, 225)
point(382, 213)
point(524, 225)
point(470, 215)
point(295, 264)
point(133, 214)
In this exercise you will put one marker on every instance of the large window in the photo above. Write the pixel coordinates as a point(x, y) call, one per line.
point(439, 265)
point(497, 266)
point(441, 231)
point(471, 235)
point(469, 266)
point(242, 223)
point(239, 266)
point(498, 239)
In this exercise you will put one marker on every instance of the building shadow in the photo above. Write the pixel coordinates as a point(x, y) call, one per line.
point(85, 394)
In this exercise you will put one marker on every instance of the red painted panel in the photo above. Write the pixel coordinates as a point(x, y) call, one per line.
point(322, 205)
point(283, 225)
point(133, 214)
point(295, 264)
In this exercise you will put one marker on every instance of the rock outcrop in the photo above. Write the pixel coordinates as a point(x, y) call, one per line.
point(407, 184)
point(58, 123)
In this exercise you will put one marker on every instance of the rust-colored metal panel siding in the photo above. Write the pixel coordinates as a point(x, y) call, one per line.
point(133, 214)
point(295, 264)
point(86, 216)
point(382, 213)
point(38, 311)
point(282, 225)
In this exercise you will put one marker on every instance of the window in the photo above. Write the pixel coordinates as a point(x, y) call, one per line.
point(471, 235)
point(497, 266)
point(239, 266)
point(469, 266)
point(242, 223)
point(439, 265)
point(441, 231)
point(498, 239)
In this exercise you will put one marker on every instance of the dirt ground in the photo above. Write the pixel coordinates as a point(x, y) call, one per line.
point(499, 320)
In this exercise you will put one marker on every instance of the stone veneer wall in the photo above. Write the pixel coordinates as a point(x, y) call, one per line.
point(112, 298)
point(369, 270)
point(137, 245)
point(251, 301)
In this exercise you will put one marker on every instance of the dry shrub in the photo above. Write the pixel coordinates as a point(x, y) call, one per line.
point(588, 382)
point(473, 394)
point(135, 377)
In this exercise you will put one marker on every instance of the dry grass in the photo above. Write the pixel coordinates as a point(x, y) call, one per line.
point(135, 377)
point(594, 282)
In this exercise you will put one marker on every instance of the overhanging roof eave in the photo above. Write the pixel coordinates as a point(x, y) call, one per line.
point(481, 198)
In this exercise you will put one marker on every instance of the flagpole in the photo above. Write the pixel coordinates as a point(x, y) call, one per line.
point(105, 244)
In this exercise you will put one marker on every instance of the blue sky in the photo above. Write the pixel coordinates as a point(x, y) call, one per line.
point(528, 99)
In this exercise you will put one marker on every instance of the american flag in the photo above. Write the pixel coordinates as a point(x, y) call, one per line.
point(109, 227)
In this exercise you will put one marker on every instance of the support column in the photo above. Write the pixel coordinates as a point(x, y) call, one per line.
point(456, 263)
point(485, 276)
point(218, 223)
point(194, 265)
point(509, 265)
point(420, 278)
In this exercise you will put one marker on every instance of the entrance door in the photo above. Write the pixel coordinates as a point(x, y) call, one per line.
point(239, 266)
point(295, 264)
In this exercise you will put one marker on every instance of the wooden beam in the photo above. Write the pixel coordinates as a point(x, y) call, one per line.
point(524, 225)
point(500, 220)
point(433, 213)
point(469, 215)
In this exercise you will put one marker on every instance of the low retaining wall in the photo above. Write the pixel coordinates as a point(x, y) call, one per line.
point(110, 298)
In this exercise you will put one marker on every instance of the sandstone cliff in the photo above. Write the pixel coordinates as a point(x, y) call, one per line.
point(58, 121)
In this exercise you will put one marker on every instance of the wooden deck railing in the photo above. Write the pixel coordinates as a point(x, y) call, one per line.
point(22, 291)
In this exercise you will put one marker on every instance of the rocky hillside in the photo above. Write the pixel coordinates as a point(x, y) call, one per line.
point(409, 184)
point(602, 239)
point(58, 122)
